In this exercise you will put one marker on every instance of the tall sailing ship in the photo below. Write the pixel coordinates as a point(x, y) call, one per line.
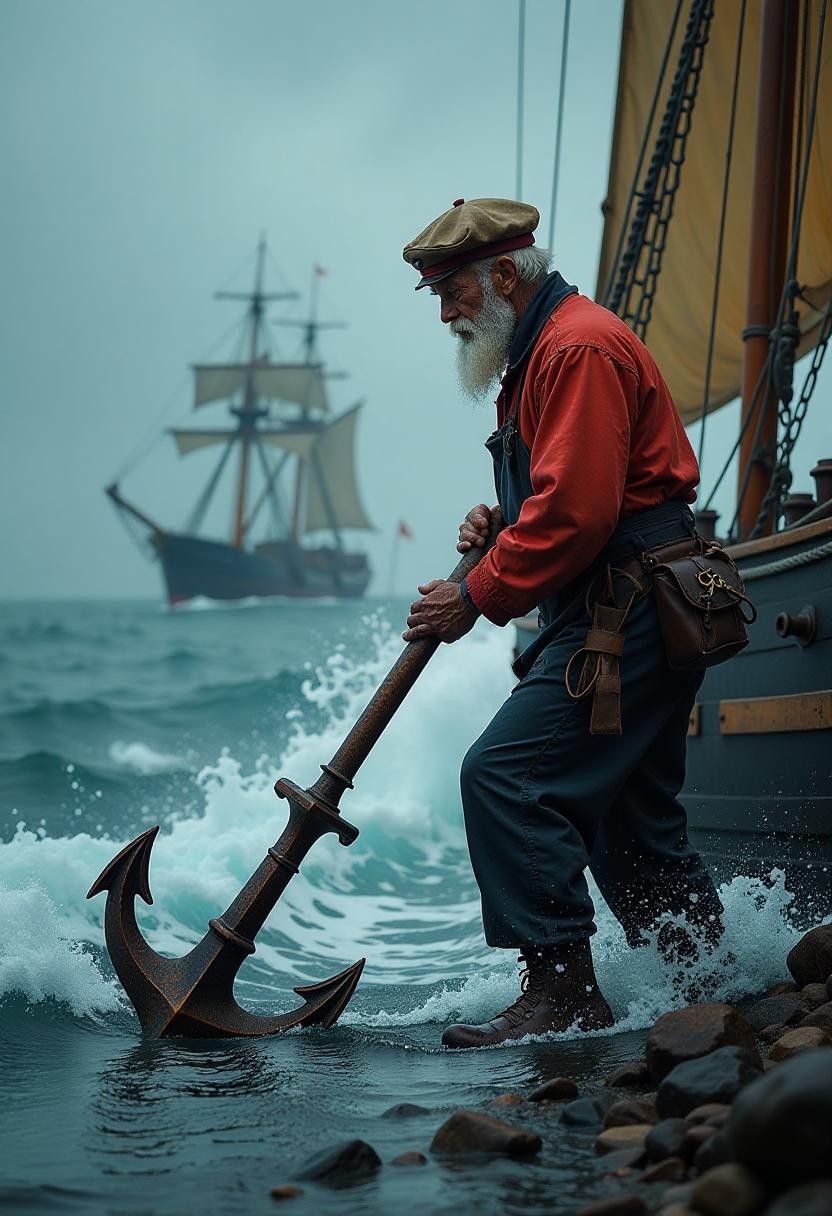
point(717, 251)
point(295, 470)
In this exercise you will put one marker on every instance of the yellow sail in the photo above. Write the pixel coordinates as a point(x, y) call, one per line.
point(679, 328)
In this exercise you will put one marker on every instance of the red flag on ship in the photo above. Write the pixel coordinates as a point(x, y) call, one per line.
point(404, 531)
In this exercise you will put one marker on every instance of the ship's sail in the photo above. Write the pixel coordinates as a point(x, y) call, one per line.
point(300, 383)
point(330, 497)
point(680, 321)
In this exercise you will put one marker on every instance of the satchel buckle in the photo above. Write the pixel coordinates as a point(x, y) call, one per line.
point(711, 581)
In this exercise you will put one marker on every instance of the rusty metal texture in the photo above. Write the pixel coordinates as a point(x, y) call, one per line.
point(194, 995)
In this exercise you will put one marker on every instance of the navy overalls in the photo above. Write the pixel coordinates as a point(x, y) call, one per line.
point(543, 799)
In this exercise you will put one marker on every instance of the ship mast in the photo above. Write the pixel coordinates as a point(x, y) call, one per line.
point(768, 254)
point(250, 411)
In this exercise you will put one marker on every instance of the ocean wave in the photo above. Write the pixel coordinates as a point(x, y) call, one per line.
point(141, 758)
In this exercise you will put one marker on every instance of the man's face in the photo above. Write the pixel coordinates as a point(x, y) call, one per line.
point(474, 306)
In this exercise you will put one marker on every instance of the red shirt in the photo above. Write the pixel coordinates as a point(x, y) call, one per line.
point(605, 441)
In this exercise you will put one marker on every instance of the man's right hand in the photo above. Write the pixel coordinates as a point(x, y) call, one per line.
point(473, 531)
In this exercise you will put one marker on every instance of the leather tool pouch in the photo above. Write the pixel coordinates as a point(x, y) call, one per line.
point(602, 649)
point(702, 607)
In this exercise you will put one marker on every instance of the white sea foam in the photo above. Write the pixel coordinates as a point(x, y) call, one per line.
point(141, 758)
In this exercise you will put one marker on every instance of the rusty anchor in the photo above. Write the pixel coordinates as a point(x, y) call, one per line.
point(194, 995)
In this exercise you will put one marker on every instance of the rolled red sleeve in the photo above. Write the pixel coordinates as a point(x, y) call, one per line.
point(587, 404)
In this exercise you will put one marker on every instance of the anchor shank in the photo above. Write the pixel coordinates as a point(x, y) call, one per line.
point(388, 697)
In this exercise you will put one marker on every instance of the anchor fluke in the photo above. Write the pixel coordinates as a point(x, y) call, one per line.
point(131, 866)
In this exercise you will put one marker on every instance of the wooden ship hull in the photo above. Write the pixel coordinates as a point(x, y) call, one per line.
point(758, 790)
point(194, 567)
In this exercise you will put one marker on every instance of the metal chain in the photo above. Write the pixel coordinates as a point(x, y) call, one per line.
point(635, 285)
point(791, 421)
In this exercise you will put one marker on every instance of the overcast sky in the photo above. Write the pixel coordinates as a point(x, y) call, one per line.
point(147, 143)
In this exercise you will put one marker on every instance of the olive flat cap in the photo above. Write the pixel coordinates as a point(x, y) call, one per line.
point(466, 232)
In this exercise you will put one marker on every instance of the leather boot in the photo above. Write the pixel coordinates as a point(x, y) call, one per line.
point(688, 954)
point(558, 989)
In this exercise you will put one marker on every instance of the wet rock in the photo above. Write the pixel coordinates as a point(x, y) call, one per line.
point(616, 1205)
point(676, 1209)
point(714, 1113)
point(717, 1077)
point(342, 1164)
point(771, 1034)
point(404, 1110)
point(622, 1160)
point(631, 1110)
point(786, 1010)
point(696, 1136)
point(286, 1192)
point(829, 987)
point(508, 1100)
point(793, 1042)
point(814, 995)
point(716, 1150)
point(614, 1138)
point(634, 1075)
point(467, 1131)
point(411, 1158)
point(810, 961)
point(587, 1112)
point(781, 1126)
point(779, 989)
point(811, 1199)
point(689, 1034)
point(556, 1090)
point(728, 1190)
point(820, 1017)
point(667, 1139)
point(678, 1194)
point(672, 1169)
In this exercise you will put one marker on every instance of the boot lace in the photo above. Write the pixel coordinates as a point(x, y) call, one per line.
point(530, 992)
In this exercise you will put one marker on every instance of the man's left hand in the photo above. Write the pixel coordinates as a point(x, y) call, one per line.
point(440, 613)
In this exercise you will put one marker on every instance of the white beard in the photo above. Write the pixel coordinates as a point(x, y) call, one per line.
point(481, 357)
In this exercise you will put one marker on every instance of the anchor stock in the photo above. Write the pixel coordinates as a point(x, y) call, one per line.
point(194, 995)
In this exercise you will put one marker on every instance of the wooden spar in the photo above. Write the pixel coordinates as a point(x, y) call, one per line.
point(768, 252)
point(242, 486)
point(249, 411)
point(114, 494)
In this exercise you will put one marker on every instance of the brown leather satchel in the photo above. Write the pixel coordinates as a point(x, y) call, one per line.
point(702, 607)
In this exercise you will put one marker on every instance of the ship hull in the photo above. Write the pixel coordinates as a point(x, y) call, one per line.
point(758, 790)
point(195, 567)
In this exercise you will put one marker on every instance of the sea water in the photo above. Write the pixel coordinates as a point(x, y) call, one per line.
point(117, 716)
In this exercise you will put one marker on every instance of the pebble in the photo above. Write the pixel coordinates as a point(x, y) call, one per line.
point(468, 1131)
point(631, 1136)
point(696, 1136)
point(676, 1209)
point(811, 1199)
point(286, 1192)
point(404, 1110)
point(821, 1017)
point(631, 1110)
point(786, 1010)
point(810, 961)
point(698, 1030)
point(814, 995)
point(714, 1113)
point(672, 1169)
point(779, 989)
point(587, 1112)
point(667, 1139)
point(633, 1075)
point(344, 1162)
point(556, 1090)
point(622, 1160)
point(716, 1150)
point(411, 1158)
point(793, 1042)
point(717, 1077)
point(508, 1100)
point(728, 1190)
point(616, 1205)
point(781, 1126)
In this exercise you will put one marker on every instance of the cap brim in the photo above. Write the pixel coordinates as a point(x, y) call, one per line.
point(437, 278)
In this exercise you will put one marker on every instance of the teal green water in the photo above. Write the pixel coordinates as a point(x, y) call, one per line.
point(116, 716)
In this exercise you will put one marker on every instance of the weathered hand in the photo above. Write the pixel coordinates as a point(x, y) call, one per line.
point(473, 531)
point(440, 613)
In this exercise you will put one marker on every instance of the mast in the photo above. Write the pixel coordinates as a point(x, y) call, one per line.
point(768, 253)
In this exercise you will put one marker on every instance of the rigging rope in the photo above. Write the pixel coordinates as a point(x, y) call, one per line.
point(729, 152)
point(559, 136)
point(635, 285)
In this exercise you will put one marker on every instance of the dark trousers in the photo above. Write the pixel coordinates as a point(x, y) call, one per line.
point(543, 799)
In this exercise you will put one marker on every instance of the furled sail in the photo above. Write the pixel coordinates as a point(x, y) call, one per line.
point(678, 333)
point(332, 489)
point(300, 383)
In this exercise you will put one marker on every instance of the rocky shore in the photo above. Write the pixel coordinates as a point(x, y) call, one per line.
point(729, 1113)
